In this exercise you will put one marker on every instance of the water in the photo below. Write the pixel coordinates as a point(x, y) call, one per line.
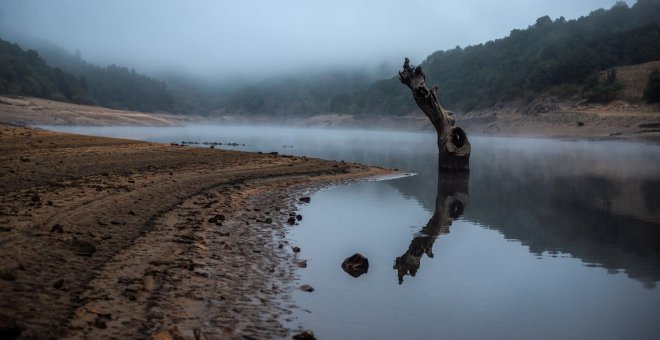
point(544, 239)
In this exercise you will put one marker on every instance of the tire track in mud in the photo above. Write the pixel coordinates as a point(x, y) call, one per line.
point(116, 203)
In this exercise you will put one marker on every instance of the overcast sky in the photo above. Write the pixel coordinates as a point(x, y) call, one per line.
point(226, 38)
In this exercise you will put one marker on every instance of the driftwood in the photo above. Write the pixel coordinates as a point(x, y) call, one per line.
point(453, 145)
point(450, 202)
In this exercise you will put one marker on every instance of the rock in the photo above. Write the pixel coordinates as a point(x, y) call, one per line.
point(100, 322)
point(24, 159)
point(296, 249)
point(302, 264)
point(9, 329)
point(82, 248)
point(305, 335)
point(35, 198)
point(57, 228)
point(579, 123)
point(307, 288)
point(217, 219)
point(355, 265)
point(58, 284)
point(291, 220)
point(268, 220)
point(7, 275)
point(274, 153)
point(299, 217)
point(305, 199)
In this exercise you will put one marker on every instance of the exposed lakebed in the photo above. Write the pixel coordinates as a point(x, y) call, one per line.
point(544, 239)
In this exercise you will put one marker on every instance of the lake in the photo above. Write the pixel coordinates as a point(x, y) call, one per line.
point(544, 238)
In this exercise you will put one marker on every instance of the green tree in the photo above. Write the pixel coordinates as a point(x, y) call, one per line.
point(652, 91)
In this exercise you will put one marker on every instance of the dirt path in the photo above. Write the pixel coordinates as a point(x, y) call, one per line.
point(104, 237)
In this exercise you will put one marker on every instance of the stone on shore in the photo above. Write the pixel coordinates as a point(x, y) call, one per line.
point(355, 265)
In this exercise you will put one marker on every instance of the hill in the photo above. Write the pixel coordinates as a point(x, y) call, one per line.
point(26, 73)
point(112, 86)
point(561, 58)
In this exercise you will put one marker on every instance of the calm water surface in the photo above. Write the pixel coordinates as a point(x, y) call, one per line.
point(544, 238)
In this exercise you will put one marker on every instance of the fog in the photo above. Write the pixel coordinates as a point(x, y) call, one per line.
point(225, 39)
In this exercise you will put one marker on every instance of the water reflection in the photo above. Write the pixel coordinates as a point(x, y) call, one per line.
point(592, 201)
point(451, 200)
point(592, 217)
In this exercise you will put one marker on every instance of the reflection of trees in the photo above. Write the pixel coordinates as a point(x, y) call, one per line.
point(451, 200)
point(572, 215)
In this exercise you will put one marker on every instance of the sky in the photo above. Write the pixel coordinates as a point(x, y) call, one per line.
point(224, 39)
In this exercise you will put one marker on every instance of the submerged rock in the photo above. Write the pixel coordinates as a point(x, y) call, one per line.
point(307, 288)
point(305, 199)
point(355, 265)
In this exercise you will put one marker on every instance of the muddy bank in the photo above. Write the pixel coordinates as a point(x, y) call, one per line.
point(549, 117)
point(22, 111)
point(107, 237)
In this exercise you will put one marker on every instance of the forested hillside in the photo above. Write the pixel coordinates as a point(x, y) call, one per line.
point(26, 73)
point(327, 92)
point(558, 56)
point(56, 74)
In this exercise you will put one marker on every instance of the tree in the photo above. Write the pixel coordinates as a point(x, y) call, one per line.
point(603, 91)
point(453, 145)
point(652, 91)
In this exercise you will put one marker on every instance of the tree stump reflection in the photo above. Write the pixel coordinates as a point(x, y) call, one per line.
point(450, 202)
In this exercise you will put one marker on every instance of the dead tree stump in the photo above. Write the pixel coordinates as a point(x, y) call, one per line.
point(453, 145)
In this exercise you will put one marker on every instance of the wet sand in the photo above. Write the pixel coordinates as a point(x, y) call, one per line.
point(103, 237)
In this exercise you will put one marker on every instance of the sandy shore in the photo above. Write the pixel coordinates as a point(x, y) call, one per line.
point(37, 111)
point(104, 237)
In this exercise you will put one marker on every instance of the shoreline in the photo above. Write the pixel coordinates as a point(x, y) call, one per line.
point(613, 122)
point(107, 237)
